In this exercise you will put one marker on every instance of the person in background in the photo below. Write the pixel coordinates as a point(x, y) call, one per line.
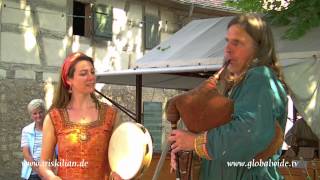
point(31, 140)
point(259, 95)
point(79, 125)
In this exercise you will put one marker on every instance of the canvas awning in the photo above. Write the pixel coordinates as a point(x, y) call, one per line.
point(198, 47)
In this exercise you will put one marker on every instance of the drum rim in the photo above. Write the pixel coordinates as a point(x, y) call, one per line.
point(146, 156)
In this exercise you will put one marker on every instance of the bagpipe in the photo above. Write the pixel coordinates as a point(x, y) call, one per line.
point(204, 108)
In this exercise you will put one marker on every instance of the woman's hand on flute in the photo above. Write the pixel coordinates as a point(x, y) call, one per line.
point(181, 140)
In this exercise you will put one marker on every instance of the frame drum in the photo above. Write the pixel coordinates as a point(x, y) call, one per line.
point(130, 150)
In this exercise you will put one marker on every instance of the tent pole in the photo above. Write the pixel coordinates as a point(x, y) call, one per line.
point(138, 97)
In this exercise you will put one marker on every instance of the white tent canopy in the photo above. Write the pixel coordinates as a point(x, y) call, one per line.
point(201, 43)
point(198, 47)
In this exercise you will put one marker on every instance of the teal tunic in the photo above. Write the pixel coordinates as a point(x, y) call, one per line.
point(259, 100)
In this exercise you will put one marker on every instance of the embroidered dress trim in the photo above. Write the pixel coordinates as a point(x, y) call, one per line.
point(200, 146)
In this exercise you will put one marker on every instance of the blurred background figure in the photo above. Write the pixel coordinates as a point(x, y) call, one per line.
point(31, 140)
point(302, 141)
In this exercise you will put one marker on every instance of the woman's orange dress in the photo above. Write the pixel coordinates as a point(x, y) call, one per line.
point(83, 148)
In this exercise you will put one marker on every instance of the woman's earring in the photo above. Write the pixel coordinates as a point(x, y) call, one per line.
point(70, 90)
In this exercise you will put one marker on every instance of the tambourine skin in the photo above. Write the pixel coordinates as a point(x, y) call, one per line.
point(130, 150)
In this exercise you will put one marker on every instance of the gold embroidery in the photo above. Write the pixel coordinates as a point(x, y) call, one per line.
point(82, 128)
point(200, 146)
point(68, 123)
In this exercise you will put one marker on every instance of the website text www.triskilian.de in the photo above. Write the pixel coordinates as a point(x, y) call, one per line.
point(60, 163)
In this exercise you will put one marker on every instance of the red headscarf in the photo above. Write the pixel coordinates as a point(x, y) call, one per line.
point(67, 64)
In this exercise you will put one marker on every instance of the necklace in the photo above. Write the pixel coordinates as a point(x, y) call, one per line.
point(82, 126)
point(83, 134)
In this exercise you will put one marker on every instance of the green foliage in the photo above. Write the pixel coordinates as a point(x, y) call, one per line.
point(245, 5)
point(300, 16)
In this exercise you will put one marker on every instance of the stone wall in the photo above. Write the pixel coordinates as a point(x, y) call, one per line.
point(125, 95)
point(15, 94)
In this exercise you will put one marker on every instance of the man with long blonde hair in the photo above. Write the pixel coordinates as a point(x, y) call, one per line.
point(260, 106)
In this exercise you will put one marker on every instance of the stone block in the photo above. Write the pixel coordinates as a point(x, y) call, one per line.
point(3, 74)
point(2, 139)
point(54, 77)
point(3, 108)
point(10, 74)
point(14, 145)
point(18, 154)
point(24, 74)
point(5, 157)
point(2, 97)
point(3, 147)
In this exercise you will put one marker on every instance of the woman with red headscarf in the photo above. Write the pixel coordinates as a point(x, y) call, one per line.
point(79, 124)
